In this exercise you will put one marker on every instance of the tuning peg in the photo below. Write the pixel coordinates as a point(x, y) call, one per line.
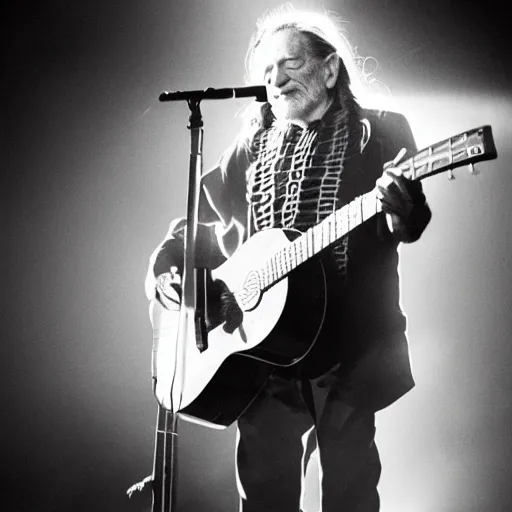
point(472, 169)
point(450, 175)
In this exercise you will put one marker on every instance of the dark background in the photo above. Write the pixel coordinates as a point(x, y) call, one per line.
point(95, 167)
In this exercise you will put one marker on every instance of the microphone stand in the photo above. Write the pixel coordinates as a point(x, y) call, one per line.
point(192, 323)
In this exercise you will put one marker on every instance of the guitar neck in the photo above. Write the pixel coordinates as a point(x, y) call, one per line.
point(319, 237)
point(466, 148)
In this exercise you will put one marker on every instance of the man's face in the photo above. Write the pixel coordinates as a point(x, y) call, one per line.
point(296, 79)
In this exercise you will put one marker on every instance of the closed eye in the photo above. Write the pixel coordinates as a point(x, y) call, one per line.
point(293, 63)
point(288, 63)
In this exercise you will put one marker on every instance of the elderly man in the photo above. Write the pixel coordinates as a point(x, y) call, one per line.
point(310, 150)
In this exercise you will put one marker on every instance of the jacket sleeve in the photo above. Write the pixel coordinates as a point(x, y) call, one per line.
point(220, 208)
point(224, 205)
point(396, 134)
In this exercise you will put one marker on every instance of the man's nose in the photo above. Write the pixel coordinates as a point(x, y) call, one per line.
point(278, 77)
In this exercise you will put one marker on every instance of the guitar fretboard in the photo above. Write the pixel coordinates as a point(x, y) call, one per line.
point(319, 237)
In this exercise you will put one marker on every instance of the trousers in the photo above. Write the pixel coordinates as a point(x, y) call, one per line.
point(278, 433)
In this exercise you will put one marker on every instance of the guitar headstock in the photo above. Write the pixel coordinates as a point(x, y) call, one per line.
point(466, 148)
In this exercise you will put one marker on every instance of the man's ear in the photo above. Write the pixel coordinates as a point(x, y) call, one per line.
point(331, 69)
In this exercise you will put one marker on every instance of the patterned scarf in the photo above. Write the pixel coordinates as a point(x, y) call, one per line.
point(296, 174)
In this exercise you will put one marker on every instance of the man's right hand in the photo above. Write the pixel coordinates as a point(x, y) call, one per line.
point(222, 306)
point(168, 287)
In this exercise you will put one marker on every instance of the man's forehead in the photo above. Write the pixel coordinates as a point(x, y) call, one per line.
point(288, 41)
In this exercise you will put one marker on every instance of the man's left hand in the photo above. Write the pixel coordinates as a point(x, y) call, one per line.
point(403, 201)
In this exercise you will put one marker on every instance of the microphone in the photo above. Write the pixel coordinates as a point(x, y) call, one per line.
point(259, 91)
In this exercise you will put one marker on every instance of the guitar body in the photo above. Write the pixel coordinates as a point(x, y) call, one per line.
point(283, 326)
point(220, 382)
